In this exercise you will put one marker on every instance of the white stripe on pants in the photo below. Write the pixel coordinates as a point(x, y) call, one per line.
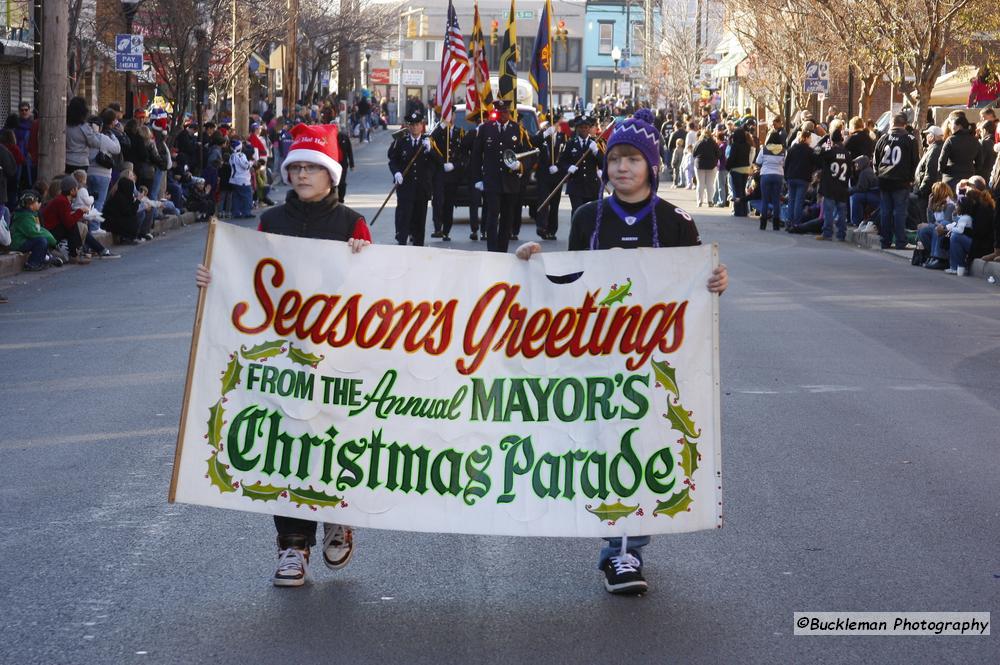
point(706, 184)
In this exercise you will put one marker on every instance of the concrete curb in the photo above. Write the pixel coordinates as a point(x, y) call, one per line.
point(12, 263)
point(871, 240)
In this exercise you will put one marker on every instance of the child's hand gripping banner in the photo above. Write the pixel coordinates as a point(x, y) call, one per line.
point(574, 394)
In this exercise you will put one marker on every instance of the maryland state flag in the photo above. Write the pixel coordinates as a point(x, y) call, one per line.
point(541, 59)
point(508, 62)
point(478, 92)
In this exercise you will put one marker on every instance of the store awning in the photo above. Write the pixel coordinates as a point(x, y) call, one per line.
point(13, 50)
point(952, 89)
point(727, 66)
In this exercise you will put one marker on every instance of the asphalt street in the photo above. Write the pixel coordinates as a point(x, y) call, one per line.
point(861, 441)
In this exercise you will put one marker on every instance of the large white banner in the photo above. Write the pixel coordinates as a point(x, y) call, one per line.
point(575, 394)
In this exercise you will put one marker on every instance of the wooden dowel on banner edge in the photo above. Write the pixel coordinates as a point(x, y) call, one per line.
point(199, 313)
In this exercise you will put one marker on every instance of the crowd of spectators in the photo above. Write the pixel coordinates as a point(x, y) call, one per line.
point(933, 193)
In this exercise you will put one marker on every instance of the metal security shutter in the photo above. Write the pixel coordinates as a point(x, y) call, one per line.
point(8, 82)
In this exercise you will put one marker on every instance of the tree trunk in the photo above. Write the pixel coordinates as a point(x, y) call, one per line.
point(241, 84)
point(52, 120)
point(868, 85)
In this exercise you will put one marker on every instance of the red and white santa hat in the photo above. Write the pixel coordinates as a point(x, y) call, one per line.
point(316, 144)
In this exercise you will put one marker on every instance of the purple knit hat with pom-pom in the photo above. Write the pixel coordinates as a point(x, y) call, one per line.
point(640, 133)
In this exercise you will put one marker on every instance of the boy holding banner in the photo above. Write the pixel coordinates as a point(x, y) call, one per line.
point(633, 217)
point(311, 210)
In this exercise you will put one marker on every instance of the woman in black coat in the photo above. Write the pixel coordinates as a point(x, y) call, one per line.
point(961, 154)
point(121, 211)
point(706, 162)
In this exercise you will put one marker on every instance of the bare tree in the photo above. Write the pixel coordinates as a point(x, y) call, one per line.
point(682, 51)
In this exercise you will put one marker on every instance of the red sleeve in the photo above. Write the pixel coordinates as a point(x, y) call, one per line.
point(361, 231)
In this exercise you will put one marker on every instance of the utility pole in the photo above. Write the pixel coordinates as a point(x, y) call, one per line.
point(36, 43)
point(52, 110)
point(291, 83)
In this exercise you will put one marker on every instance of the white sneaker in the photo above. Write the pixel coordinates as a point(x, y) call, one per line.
point(293, 565)
point(951, 271)
point(338, 545)
point(961, 271)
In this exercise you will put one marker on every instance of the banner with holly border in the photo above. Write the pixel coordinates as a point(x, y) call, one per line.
point(575, 394)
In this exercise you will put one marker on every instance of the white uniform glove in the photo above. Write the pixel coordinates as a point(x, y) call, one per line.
point(398, 177)
point(448, 167)
point(533, 177)
point(572, 169)
point(594, 147)
point(479, 185)
point(553, 169)
point(549, 131)
point(600, 174)
point(427, 145)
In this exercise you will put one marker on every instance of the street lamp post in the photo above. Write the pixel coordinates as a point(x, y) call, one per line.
point(129, 8)
point(616, 56)
point(368, 69)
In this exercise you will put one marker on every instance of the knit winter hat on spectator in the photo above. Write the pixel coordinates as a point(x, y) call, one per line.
point(315, 144)
point(68, 184)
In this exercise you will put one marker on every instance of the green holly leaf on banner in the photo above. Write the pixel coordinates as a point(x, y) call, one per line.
point(681, 420)
point(300, 357)
point(675, 504)
point(258, 492)
point(231, 377)
point(617, 295)
point(665, 376)
point(612, 512)
point(215, 413)
point(218, 474)
point(265, 350)
point(311, 497)
point(689, 458)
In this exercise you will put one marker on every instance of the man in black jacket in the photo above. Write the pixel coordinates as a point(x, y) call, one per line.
point(896, 163)
point(584, 182)
point(449, 162)
point(927, 174)
point(346, 160)
point(501, 187)
point(551, 143)
point(413, 189)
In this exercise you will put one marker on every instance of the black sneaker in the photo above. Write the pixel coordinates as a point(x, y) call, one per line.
point(437, 234)
point(473, 236)
point(445, 238)
point(108, 254)
point(623, 575)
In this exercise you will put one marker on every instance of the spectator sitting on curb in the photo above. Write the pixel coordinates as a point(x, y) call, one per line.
point(940, 213)
point(122, 212)
point(84, 201)
point(971, 234)
point(27, 234)
point(65, 224)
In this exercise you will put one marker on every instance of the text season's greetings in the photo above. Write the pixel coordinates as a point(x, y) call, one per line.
point(575, 394)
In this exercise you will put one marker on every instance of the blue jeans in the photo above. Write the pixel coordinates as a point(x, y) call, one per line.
point(858, 202)
point(796, 199)
point(98, 186)
point(894, 205)
point(722, 187)
point(833, 209)
point(614, 546)
point(242, 200)
point(154, 190)
point(37, 247)
point(770, 195)
point(959, 252)
point(931, 240)
point(738, 187)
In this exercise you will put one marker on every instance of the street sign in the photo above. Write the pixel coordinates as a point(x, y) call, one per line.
point(128, 53)
point(625, 88)
point(821, 96)
point(817, 78)
point(413, 77)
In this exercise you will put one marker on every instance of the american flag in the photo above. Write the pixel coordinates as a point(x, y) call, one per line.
point(454, 65)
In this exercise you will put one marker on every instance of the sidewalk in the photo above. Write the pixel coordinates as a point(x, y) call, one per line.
point(12, 263)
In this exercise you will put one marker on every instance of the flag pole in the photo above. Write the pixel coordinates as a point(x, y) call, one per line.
point(552, 120)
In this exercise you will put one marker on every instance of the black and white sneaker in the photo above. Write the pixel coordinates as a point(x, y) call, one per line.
point(338, 545)
point(293, 564)
point(623, 575)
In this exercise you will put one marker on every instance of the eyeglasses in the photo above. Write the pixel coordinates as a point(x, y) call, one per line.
point(307, 168)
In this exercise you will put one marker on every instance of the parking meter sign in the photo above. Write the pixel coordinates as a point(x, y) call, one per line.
point(817, 78)
point(128, 53)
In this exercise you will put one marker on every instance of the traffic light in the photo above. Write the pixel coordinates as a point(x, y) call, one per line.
point(425, 28)
point(411, 27)
point(494, 28)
